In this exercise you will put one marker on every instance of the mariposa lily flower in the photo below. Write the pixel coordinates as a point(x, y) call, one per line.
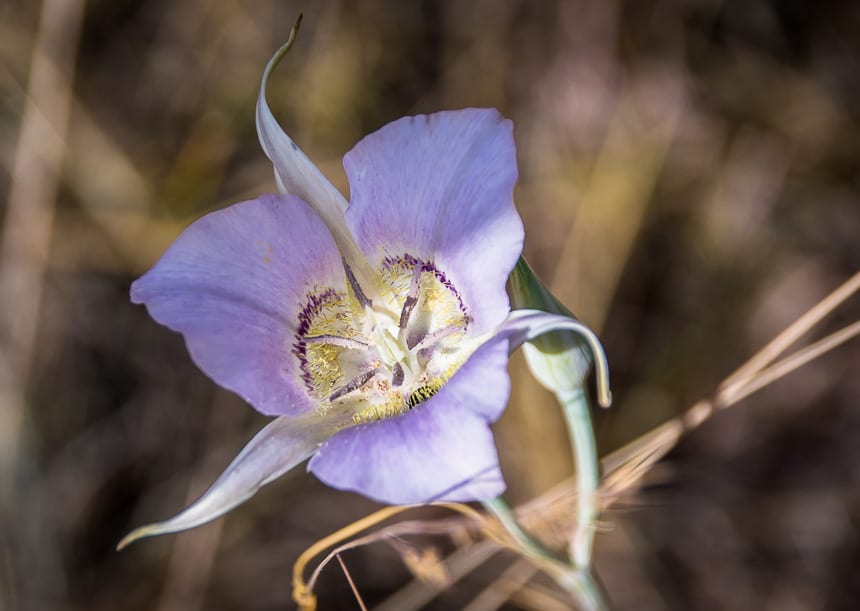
point(376, 333)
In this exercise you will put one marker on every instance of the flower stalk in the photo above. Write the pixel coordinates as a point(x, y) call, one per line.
point(530, 546)
point(579, 583)
point(560, 361)
point(576, 410)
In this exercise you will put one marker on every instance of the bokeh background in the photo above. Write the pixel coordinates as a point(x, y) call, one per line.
point(689, 184)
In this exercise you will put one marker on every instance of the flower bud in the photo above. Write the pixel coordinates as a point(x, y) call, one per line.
point(559, 360)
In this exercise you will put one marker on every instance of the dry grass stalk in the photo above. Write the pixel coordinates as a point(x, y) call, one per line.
point(351, 584)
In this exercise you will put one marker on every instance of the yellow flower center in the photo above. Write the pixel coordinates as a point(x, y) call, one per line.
point(380, 359)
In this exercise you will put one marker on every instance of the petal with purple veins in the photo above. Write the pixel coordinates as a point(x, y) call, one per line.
point(234, 283)
point(440, 187)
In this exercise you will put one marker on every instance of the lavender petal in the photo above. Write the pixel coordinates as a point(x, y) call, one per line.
point(442, 450)
point(233, 284)
point(440, 187)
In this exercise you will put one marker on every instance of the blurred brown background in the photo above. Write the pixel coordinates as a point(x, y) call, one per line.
point(689, 184)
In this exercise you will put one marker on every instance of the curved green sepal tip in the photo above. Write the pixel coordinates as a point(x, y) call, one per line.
point(560, 361)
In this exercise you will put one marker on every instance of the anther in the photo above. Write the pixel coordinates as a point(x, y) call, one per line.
point(420, 394)
point(397, 375)
point(354, 384)
point(411, 297)
point(431, 339)
point(356, 288)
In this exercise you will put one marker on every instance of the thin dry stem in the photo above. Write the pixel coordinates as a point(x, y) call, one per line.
point(389, 535)
point(303, 592)
point(787, 365)
point(351, 583)
point(781, 342)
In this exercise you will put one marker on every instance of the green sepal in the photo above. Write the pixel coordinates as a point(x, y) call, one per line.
point(560, 361)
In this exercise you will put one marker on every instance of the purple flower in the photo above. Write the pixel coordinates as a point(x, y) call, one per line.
point(376, 333)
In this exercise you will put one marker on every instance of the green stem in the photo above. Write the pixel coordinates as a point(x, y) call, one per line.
point(505, 515)
point(577, 414)
point(585, 589)
point(579, 583)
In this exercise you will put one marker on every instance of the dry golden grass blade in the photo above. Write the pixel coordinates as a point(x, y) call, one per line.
point(303, 595)
point(625, 467)
point(513, 579)
point(303, 592)
point(425, 563)
point(781, 342)
point(349, 580)
point(787, 365)
point(388, 534)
